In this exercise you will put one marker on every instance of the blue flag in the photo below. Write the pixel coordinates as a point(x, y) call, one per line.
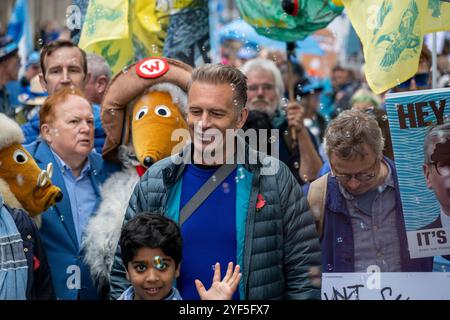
point(19, 28)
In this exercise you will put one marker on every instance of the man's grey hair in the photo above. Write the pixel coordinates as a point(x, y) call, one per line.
point(223, 74)
point(347, 133)
point(266, 65)
point(97, 66)
point(436, 134)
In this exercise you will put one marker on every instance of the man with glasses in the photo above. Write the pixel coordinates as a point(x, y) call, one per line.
point(436, 169)
point(265, 90)
point(363, 227)
point(422, 79)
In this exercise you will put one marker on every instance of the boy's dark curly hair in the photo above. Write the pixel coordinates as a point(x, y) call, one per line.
point(150, 230)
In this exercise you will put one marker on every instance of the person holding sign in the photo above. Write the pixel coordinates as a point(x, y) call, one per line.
point(265, 93)
point(422, 79)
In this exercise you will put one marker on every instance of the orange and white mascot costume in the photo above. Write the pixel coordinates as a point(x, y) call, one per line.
point(142, 107)
point(22, 183)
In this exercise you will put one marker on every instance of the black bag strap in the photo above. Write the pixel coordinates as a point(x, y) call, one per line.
point(210, 185)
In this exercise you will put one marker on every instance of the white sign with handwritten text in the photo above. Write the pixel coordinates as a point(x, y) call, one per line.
point(386, 286)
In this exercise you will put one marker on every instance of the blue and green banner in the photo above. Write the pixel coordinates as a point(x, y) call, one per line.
point(270, 20)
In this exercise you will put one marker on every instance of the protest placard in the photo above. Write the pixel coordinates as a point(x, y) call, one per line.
point(386, 286)
point(411, 115)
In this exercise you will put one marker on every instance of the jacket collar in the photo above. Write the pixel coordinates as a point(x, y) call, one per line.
point(43, 155)
point(175, 169)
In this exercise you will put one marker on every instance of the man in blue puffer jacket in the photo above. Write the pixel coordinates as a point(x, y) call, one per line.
point(256, 217)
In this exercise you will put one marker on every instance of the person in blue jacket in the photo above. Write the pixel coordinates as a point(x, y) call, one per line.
point(27, 275)
point(67, 140)
point(255, 216)
point(64, 65)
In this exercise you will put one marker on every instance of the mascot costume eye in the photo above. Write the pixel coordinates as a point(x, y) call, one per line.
point(22, 183)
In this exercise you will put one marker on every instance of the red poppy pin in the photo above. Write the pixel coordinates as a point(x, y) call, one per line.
point(260, 202)
point(36, 263)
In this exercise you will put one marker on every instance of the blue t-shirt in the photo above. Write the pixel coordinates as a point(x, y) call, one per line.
point(209, 234)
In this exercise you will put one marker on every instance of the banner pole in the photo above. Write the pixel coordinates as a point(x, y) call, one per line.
point(434, 61)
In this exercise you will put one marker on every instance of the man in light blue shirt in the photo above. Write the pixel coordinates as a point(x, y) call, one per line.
point(82, 194)
point(67, 131)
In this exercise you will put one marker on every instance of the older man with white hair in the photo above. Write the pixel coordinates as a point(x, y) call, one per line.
point(100, 74)
point(265, 90)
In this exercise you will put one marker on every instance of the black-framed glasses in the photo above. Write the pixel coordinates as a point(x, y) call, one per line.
point(442, 167)
point(361, 176)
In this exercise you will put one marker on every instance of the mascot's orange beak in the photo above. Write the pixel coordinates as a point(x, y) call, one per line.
point(30, 185)
point(155, 117)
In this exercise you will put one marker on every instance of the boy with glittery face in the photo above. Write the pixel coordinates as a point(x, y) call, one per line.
point(151, 248)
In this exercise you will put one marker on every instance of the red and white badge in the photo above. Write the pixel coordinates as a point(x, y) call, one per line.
point(152, 67)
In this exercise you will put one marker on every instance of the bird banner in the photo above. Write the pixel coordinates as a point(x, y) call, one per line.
point(106, 32)
point(392, 35)
point(125, 31)
point(438, 16)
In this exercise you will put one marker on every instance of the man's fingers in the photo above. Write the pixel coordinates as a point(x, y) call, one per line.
point(296, 115)
point(200, 288)
point(235, 282)
point(315, 271)
point(315, 274)
point(216, 276)
point(295, 123)
point(293, 105)
point(236, 274)
point(229, 271)
point(298, 112)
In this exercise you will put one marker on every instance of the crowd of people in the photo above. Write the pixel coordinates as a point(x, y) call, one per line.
point(333, 204)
